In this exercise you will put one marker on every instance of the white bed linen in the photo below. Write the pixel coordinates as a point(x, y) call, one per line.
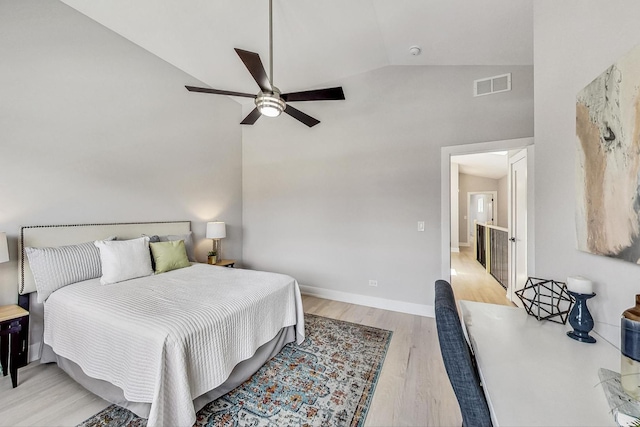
point(169, 338)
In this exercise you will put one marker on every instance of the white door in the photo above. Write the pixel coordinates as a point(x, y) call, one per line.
point(517, 224)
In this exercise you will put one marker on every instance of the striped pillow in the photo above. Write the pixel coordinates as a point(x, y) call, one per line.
point(54, 268)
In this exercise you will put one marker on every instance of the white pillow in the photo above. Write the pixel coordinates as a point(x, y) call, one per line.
point(124, 259)
point(54, 268)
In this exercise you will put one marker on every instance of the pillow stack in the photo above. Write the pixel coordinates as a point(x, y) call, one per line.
point(110, 259)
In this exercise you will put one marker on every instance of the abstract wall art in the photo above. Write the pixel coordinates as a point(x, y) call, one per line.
point(608, 162)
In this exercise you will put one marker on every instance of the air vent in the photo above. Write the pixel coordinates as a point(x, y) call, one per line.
point(491, 85)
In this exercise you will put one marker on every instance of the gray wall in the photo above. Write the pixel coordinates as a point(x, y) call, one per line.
point(470, 183)
point(338, 204)
point(503, 202)
point(95, 129)
point(575, 41)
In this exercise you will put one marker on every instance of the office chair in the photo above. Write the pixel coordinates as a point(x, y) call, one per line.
point(458, 360)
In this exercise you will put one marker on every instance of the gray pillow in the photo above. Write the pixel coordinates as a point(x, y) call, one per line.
point(188, 243)
point(54, 268)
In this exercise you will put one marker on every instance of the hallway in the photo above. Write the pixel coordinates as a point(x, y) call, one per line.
point(472, 282)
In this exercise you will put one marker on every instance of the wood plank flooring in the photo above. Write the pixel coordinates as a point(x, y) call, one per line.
point(472, 282)
point(413, 388)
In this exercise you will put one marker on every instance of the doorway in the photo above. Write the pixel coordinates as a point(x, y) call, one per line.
point(523, 145)
point(482, 207)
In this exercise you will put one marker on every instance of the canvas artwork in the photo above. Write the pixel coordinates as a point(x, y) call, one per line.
point(608, 162)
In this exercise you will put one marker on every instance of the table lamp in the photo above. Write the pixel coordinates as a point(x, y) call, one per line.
point(216, 230)
point(4, 248)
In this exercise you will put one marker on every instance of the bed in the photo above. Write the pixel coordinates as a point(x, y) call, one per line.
point(162, 345)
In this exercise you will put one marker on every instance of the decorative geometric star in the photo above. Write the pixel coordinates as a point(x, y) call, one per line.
point(546, 299)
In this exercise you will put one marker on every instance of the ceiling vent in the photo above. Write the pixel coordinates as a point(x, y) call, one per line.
point(491, 85)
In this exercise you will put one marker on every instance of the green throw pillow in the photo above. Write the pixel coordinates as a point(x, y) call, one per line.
point(169, 255)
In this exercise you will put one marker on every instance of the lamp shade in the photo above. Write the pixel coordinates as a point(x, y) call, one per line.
point(216, 230)
point(4, 247)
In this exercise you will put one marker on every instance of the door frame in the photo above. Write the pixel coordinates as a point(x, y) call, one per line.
point(445, 194)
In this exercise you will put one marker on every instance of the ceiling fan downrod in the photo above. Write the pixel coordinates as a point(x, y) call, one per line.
point(270, 104)
point(271, 42)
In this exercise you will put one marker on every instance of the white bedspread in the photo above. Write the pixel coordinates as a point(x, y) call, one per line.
point(169, 338)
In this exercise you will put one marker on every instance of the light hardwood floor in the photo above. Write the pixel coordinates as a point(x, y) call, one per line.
point(413, 388)
point(472, 282)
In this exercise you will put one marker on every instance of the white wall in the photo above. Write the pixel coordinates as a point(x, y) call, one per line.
point(95, 129)
point(338, 204)
point(503, 202)
point(575, 41)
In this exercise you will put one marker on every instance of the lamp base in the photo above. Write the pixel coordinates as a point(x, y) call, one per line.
point(588, 338)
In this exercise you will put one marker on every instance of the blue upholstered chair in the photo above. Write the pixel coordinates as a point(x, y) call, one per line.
point(458, 360)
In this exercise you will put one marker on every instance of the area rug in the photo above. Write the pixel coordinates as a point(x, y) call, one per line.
point(328, 380)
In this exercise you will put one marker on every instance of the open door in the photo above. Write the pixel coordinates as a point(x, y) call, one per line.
point(517, 224)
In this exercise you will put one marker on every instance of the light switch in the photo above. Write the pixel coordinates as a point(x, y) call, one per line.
point(420, 225)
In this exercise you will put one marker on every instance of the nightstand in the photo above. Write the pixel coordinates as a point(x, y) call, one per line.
point(13, 319)
point(226, 263)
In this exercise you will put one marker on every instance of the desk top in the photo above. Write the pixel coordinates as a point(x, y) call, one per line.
point(10, 312)
point(532, 373)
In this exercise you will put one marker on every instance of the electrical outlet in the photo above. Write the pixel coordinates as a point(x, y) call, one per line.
point(420, 225)
point(373, 283)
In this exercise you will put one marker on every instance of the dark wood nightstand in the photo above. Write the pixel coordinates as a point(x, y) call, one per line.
point(13, 319)
point(226, 263)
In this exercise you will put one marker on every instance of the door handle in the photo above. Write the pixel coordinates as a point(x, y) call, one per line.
point(513, 239)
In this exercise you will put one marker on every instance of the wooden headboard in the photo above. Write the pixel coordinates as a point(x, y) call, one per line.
point(40, 236)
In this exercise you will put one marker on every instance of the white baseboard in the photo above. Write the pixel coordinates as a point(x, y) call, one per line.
point(464, 244)
point(455, 249)
point(367, 301)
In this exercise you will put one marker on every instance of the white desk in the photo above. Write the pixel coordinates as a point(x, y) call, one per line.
point(532, 373)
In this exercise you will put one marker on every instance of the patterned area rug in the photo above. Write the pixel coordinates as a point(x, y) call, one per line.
point(328, 380)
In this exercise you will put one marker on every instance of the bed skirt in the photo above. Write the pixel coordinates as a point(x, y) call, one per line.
point(114, 394)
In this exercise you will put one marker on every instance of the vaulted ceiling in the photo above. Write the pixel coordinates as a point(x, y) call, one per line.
point(320, 41)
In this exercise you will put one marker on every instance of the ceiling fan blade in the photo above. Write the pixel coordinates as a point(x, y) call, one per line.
point(251, 118)
point(329, 94)
point(254, 65)
point(300, 116)
point(218, 92)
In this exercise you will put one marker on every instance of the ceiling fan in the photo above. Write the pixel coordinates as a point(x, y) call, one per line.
point(269, 101)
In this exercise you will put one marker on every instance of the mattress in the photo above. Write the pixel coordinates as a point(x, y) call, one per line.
point(169, 338)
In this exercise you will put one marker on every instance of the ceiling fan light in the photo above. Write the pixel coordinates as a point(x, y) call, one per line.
point(270, 105)
point(269, 111)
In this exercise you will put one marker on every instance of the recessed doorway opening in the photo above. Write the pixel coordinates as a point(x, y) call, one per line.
point(491, 197)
